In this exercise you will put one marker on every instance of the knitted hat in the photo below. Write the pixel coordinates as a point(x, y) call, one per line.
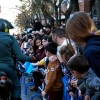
point(51, 47)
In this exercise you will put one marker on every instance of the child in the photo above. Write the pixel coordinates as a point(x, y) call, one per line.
point(54, 86)
point(80, 69)
point(66, 53)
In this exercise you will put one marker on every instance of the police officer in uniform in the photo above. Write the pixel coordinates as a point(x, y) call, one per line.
point(9, 48)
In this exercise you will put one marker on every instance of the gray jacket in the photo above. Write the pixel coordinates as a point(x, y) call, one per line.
point(92, 82)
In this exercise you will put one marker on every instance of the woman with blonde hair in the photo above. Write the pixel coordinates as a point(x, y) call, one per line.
point(81, 29)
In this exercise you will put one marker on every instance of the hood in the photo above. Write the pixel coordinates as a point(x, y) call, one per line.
point(89, 74)
point(93, 44)
point(91, 52)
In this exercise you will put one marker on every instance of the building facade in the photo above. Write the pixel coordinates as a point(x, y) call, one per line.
point(84, 6)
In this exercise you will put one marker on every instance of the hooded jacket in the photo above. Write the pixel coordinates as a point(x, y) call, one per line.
point(53, 77)
point(92, 54)
point(92, 82)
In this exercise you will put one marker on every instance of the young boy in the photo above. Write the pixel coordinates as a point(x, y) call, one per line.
point(54, 85)
point(80, 69)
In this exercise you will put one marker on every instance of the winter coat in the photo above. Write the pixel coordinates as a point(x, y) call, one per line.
point(9, 49)
point(92, 53)
point(92, 83)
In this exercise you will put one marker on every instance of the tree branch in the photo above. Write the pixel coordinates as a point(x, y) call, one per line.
point(52, 4)
point(60, 1)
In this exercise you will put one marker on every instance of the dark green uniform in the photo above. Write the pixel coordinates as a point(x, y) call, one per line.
point(8, 48)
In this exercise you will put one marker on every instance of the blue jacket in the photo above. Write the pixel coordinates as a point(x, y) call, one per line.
point(92, 54)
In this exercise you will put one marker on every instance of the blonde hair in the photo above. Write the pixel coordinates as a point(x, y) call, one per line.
point(80, 26)
point(67, 51)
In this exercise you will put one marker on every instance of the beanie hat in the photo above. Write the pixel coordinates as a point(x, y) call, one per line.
point(51, 47)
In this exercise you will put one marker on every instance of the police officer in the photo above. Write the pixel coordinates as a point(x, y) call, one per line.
point(9, 48)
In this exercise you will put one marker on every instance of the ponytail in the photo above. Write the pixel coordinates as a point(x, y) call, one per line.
point(71, 48)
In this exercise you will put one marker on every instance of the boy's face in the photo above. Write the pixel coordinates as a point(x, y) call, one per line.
point(76, 74)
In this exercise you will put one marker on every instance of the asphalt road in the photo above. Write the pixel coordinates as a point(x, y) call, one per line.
point(29, 93)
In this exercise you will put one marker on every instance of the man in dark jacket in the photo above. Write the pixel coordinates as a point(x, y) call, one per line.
point(37, 25)
point(9, 48)
point(48, 29)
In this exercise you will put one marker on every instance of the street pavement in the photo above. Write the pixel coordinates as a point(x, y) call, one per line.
point(29, 93)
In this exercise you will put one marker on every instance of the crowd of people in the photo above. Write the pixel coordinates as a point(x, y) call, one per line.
point(70, 51)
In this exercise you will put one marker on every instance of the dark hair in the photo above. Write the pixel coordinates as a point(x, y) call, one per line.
point(44, 31)
point(67, 51)
point(45, 37)
point(30, 36)
point(59, 32)
point(38, 37)
point(36, 19)
point(51, 47)
point(48, 26)
point(50, 38)
point(78, 63)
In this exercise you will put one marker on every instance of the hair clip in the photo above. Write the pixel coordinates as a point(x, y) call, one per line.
point(92, 33)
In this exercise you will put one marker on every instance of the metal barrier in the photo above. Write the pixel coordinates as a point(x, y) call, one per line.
point(26, 86)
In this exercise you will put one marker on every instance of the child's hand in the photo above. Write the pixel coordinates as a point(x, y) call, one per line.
point(87, 97)
point(35, 64)
point(43, 94)
point(79, 93)
point(74, 83)
point(24, 52)
point(30, 55)
point(72, 94)
point(35, 69)
point(40, 47)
